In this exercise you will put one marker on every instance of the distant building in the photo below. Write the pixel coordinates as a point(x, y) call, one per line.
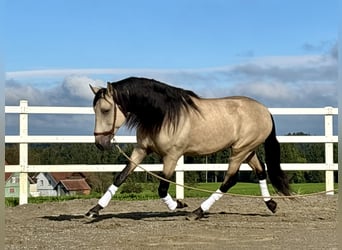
point(48, 184)
point(58, 184)
point(12, 185)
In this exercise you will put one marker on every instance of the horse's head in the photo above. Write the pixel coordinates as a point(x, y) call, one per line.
point(108, 116)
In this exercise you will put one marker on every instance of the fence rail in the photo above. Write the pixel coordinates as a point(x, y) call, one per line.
point(23, 139)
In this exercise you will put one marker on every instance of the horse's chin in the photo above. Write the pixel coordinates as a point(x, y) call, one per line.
point(103, 143)
point(103, 147)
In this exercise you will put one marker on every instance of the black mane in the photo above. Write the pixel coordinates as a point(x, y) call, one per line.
point(147, 103)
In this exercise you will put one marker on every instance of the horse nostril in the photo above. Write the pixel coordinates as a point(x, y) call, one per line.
point(99, 146)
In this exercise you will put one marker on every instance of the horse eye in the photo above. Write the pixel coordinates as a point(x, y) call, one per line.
point(105, 111)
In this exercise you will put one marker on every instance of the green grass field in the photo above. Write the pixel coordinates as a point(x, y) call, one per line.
point(150, 192)
point(253, 189)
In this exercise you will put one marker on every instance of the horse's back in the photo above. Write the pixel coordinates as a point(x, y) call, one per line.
point(223, 122)
point(234, 110)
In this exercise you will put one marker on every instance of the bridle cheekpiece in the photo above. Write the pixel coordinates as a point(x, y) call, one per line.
point(109, 132)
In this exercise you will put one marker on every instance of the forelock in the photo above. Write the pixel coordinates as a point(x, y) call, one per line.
point(100, 94)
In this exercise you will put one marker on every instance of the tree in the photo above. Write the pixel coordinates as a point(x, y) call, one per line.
point(85, 153)
point(12, 154)
point(99, 181)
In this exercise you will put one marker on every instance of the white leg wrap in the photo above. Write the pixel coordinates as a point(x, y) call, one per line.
point(171, 204)
point(211, 200)
point(105, 199)
point(264, 190)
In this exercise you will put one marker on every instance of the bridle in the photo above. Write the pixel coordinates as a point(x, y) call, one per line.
point(109, 132)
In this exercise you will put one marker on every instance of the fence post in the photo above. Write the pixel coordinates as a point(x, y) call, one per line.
point(180, 179)
point(23, 153)
point(329, 151)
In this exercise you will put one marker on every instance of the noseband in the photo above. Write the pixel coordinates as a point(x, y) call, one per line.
point(109, 132)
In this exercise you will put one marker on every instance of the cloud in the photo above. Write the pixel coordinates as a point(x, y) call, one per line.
point(289, 69)
point(76, 89)
point(44, 73)
point(262, 89)
point(324, 47)
point(73, 91)
point(295, 80)
point(247, 53)
point(62, 73)
point(16, 91)
point(276, 81)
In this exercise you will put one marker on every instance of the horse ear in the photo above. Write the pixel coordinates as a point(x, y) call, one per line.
point(110, 89)
point(94, 89)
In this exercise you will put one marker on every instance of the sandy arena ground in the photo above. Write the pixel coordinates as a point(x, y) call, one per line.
point(233, 223)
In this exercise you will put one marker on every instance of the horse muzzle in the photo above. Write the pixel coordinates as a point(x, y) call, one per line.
point(103, 142)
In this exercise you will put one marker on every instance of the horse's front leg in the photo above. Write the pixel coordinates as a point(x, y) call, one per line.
point(137, 156)
point(168, 170)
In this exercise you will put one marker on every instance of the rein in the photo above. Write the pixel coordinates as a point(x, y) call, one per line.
point(109, 132)
point(208, 191)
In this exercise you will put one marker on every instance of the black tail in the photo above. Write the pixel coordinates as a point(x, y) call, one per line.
point(276, 175)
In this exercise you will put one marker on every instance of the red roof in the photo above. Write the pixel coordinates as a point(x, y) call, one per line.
point(75, 184)
point(72, 181)
point(7, 176)
point(58, 176)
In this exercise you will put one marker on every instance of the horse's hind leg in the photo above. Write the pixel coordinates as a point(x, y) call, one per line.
point(260, 171)
point(229, 181)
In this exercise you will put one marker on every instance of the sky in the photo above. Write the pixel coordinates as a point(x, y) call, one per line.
point(282, 53)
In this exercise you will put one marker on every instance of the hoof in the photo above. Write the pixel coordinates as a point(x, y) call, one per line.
point(91, 214)
point(94, 212)
point(181, 204)
point(272, 205)
point(196, 214)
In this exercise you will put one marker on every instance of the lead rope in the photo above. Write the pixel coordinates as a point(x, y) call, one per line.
point(208, 191)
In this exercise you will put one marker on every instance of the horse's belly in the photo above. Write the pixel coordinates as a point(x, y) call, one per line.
point(209, 141)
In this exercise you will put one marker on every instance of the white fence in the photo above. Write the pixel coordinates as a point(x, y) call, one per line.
point(23, 139)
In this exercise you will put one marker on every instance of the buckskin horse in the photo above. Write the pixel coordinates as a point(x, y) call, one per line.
point(172, 122)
